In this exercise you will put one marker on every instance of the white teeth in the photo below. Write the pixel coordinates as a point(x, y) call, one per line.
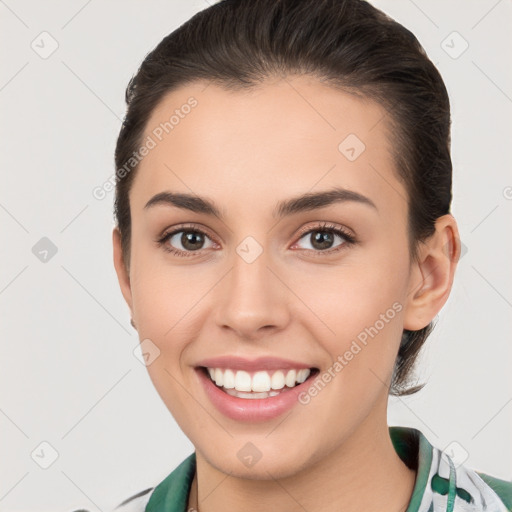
point(259, 383)
point(241, 394)
point(219, 374)
point(229, 379)
point(302, 375)
point(242, 380)
point(290, 378)
point(278, 380)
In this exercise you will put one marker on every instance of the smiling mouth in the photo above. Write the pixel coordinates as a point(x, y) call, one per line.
point(258, 384)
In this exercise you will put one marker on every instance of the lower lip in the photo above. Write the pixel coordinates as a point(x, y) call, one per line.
point(252, 409)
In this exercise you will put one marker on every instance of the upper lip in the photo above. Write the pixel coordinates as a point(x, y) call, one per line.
point(261, 363)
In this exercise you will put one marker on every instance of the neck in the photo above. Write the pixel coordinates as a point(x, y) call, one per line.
point(362, 474)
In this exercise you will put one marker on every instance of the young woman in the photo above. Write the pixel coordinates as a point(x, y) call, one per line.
point(284, 241)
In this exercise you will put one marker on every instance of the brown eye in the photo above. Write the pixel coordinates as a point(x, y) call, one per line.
point(191, 240)
point(323, 239)
point(183, 242)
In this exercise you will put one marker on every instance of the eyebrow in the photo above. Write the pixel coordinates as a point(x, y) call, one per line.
point(303, 203)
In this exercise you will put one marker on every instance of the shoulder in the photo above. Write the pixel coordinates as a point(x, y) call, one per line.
point(444, 482)
point(135, 503)
point(467, 487)
point(503, 488)
point(171, 494)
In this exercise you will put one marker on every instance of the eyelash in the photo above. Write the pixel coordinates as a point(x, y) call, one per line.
point(325, 227)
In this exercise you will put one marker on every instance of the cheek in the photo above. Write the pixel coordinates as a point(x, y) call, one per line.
point(165, 295)
point(167, 301)
point(360, 331)
point(355, 311)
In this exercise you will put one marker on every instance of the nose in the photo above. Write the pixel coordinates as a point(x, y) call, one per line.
point(252, 300)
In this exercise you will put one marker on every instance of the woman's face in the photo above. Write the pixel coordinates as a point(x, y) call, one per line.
point(266, 281)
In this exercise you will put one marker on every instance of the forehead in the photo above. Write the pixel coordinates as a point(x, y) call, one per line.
point(282, 138)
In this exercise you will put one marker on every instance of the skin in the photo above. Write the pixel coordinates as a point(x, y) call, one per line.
point(246, 151)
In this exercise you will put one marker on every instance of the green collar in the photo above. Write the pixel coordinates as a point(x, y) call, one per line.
point(171, 495)
point(416, 452)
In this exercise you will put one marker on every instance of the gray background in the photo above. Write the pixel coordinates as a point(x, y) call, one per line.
point(69, 376)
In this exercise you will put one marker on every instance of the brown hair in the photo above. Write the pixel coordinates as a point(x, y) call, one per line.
point(347, 44)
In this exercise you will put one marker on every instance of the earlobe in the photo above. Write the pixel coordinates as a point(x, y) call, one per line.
point(432, 275)
point(121, 270)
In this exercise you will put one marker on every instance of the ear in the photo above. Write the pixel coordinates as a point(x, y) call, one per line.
point(123, 275)
point(431, 277)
